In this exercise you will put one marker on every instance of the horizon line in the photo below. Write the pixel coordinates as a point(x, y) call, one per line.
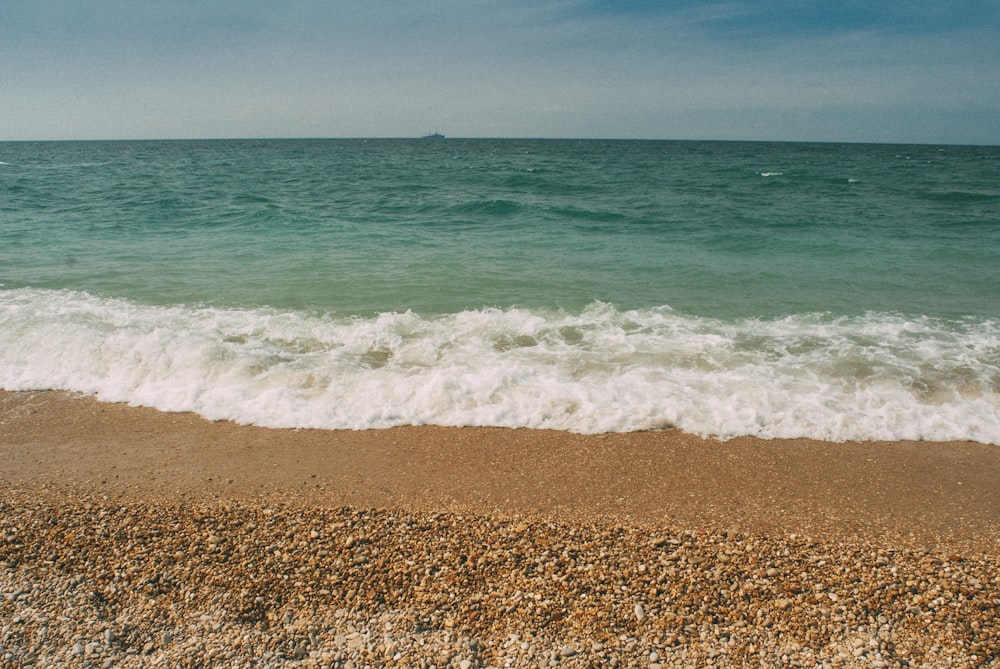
point(498, 138)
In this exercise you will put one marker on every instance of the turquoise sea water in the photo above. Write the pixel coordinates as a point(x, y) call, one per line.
point(834, 291)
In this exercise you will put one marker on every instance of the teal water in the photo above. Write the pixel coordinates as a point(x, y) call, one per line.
point(613, 284)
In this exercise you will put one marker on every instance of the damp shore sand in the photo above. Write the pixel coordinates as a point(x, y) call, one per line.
point(132, 537)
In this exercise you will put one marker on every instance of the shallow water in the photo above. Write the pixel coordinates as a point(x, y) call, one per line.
point(839, 292)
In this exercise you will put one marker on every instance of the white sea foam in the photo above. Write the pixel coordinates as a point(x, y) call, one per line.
point(877, 376)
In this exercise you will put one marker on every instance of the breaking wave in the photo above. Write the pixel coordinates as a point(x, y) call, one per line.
point(878, 376)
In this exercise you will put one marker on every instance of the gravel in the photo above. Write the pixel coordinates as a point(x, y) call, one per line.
point(92, 581)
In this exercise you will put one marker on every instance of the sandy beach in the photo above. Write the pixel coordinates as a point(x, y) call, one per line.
point(138, 538)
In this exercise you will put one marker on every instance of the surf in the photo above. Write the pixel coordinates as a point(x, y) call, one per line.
point(878, 376)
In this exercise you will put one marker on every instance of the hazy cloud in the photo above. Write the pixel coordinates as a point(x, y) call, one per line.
point(892, 71)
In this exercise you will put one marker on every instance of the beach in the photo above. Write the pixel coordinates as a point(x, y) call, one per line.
point(498, 403)
point(133, 537)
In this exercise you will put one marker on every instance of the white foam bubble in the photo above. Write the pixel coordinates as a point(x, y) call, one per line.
point(877, 376)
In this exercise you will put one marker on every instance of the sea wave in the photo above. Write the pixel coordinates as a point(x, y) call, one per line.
point(875, 376)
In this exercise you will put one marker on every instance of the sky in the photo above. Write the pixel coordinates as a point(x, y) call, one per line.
point(911, 71)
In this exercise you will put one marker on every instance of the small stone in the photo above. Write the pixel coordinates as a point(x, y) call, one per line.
point(469, 587)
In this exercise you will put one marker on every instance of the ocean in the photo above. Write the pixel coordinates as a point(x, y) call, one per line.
point(840, 292)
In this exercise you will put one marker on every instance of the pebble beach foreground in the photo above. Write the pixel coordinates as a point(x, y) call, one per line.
point(94, 581)
point(134, 538)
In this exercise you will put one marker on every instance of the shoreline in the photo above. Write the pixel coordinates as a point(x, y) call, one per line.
point(912, 494)
point(134, 538)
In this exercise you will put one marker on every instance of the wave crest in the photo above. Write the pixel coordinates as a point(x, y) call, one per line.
point(869, 377)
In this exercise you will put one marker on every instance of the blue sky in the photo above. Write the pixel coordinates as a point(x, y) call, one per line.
point(879, 71)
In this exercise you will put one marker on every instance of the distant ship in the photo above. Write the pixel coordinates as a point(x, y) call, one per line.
point(436, 135)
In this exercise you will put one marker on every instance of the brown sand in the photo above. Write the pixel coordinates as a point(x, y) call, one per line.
point(909, 494)
point(133, 538)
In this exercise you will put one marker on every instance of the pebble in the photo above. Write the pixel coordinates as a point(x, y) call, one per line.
point(100, 582)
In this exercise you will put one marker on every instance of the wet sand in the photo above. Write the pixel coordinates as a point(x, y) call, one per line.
point(912, 493)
